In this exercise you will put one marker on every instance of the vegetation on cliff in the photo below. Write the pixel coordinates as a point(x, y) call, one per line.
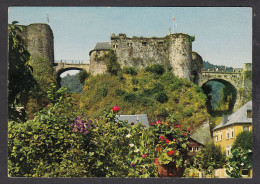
point(153, 91)
point(21, 80)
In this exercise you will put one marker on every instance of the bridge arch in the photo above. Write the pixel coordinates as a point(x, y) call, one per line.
point(232, 80)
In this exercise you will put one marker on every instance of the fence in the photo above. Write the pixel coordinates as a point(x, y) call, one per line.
point(77, 62)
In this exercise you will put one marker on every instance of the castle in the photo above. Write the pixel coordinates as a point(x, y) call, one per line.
point(174, 50)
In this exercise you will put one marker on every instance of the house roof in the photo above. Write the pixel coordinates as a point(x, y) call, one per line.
point(202, 134)
point(101, 46)
point(134, 118)
point(238, 117)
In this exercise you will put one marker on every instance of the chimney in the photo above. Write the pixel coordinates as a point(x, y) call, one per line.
point(224, 119)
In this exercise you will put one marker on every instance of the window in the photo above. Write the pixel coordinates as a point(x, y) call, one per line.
point(249, 113)
point(227, 134)
point(245, 128)
point(216, 137)
point(115, 46)
point(196, 148)
point(232, 132)
point(129, 44)
point(220, 135)
point(245, 172)
point(227, 151)
point(144, 43)
point(160, 43)
point(190, 148)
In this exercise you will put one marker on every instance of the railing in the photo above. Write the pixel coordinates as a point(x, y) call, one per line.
point(222, 71)
point(75, 62)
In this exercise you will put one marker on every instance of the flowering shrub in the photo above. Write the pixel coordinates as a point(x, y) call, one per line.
point(58, 143)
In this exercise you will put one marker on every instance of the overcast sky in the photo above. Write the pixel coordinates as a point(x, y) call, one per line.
point(223, 36)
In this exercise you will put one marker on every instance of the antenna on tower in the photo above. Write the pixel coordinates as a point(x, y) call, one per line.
point(47, 18)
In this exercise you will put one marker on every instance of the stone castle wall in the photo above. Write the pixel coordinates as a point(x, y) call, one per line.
point(139, 52)
point(39, 41)
point(173, 50)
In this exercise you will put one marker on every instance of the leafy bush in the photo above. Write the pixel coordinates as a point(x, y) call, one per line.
point(209, 158)
point(241, 155)
point(161, 97)
point(41, 147)
point(82, 75)
point(156, 68)
point(129, 70)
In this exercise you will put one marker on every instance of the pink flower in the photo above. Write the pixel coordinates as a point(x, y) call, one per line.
point(158, 122)
point(48, 106)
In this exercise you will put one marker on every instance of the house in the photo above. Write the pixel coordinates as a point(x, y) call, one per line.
point(225, 133)
point(134, 119)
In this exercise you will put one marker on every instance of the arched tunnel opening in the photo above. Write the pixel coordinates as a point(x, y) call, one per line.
point(68, 78)
point(221, 97)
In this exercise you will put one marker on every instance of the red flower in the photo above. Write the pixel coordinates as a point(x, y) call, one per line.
point(161, 137)
point(48, 106)
point(167, 141)
point(178, 126)
point(188, 129)
point(184, 133)
point(159, 149)
point(170, 153)
point(144, 155)
point(151, 124)
point(115, 109)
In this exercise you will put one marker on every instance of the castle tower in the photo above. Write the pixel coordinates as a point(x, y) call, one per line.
point(180, 55)
point(39, 41)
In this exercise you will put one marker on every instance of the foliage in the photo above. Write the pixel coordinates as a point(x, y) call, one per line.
point(129, 70)
point(240, 158)
point(209, 158)
point(73, 82)
point(20, 76)
point(157, 97)
point(46, 145)
point(155, 68)
point(110, 60)
point(82, 75)
point(207, 65)
point(43, 75)
point(243, 140)
point(241, 154)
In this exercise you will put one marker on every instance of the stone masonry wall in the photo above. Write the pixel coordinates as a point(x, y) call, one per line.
point(39, 41)
point(180, 55)
point(139, 52)
point(97, 66)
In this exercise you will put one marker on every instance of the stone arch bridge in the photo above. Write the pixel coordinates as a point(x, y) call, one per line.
point(234, 79)
point(61, 67)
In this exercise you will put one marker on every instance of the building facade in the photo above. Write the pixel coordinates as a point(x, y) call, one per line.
point(226, 132)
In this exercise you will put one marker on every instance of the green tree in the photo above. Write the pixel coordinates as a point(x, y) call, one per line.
point(21, 80)
point(82, 75)
point(209, 158)
point(241, 156)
